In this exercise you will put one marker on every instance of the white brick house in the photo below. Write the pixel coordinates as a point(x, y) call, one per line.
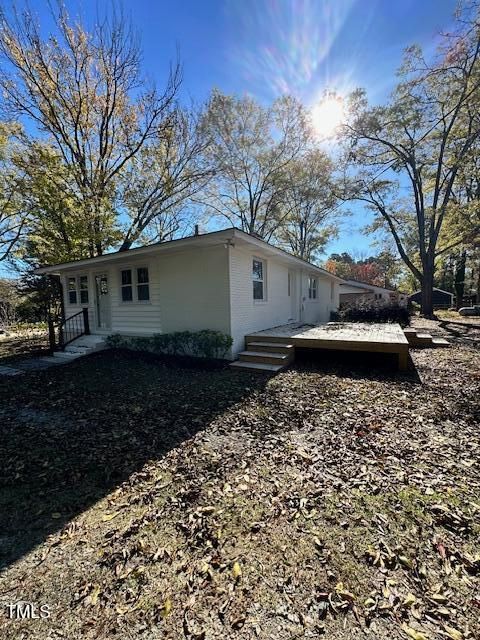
point(226, 280)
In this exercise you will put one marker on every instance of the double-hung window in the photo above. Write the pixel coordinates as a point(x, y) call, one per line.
point(135, 285)
point(72, 290)
point(83, 282)
point(312, 288)
point(143, 287)
point(258, 277)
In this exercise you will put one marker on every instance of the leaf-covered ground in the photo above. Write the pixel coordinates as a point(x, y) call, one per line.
point(22, 343)
point(140, 500)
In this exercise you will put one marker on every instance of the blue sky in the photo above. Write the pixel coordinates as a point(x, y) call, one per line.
point(266, 47)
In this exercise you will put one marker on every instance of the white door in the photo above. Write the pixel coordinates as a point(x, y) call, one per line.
point(102, 301)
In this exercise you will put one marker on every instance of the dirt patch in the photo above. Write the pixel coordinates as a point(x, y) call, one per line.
point(141, 500)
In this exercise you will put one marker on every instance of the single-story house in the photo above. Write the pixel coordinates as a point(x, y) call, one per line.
point(354, 290)
point(441, 299)
point(227, 280)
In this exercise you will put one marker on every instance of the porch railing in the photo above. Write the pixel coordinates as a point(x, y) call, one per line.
point(68, 330)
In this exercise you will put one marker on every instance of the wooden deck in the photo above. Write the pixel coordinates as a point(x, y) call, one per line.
point(341, 336)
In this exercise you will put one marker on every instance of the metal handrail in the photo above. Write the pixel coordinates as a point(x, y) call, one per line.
point(69, 329)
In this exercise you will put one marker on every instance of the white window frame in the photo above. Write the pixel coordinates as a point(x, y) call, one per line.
point(135, 284)
point(263, 262)
point(79, 284)
point(68, 278)
point(312, 280)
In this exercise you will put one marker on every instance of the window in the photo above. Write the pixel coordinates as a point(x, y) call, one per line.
point(142, 285)
point(258, 280)
point(312, 288)
point(143, 288)
point(289, 283)
point(72, 290)
point(127, 289)
point(332, 291)
point(83, 289)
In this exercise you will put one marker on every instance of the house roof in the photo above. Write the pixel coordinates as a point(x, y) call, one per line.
point(449, 293)
point(229, 235)
point(368, 286)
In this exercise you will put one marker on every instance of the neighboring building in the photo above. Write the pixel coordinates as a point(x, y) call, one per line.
point(355, 291)
point(226, 280)
point(441, 299)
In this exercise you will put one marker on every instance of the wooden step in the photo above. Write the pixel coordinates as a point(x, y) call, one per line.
point(440, 342)
point(411, 335)
point(266, 357)
point(267, 338)
point(423, 339)
point(277, 347)
point(256, 366)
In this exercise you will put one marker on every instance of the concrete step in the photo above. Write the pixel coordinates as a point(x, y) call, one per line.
point(77, 349)
point(91, 341)
point(65, 355)
point(256, 366)
point(277, 347)
point(265, 357)
point(440, 342)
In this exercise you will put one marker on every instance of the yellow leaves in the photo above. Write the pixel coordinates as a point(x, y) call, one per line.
point(413, 633)
point(166, 608)
point(94, 595)
point(236, 571)
point(344, 593)
point(109, 516)
point(453, 633)
point(410, 600)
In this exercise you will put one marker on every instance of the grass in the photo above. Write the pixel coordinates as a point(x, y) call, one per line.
point(141, 499)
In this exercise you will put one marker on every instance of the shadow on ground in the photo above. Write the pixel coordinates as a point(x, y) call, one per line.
point(369, 366)
point(71, 434)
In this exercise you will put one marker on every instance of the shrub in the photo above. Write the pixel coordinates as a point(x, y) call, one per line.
point(204, 344)
point(370, 311)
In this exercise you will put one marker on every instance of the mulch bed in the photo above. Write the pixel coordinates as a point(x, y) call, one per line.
point(143, 499)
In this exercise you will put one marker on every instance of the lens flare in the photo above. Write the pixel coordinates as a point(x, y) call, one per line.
point(327, 115)
point(283, 46)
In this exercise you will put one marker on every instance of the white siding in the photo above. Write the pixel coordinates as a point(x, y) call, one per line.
point(209, 288)
point(278, 308)
point(195, 290)
point(189, 290)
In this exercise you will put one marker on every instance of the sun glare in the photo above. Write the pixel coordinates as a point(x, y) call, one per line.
point(327, 116)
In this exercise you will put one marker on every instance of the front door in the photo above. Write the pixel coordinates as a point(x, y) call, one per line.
point(102, 299)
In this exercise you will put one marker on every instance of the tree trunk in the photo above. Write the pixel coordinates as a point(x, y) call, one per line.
point(427, 290)
point(460, 279)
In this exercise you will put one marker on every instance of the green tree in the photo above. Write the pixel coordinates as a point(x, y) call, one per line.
point(85, 92)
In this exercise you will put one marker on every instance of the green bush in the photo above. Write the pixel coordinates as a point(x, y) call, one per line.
point(369, 311)
point(203, 344)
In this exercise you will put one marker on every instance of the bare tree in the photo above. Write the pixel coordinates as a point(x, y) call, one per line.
point(419, 142)
point(250, 148)
point(84, 90)
point(163, 177)
point(309, 200)
point(14, 218)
